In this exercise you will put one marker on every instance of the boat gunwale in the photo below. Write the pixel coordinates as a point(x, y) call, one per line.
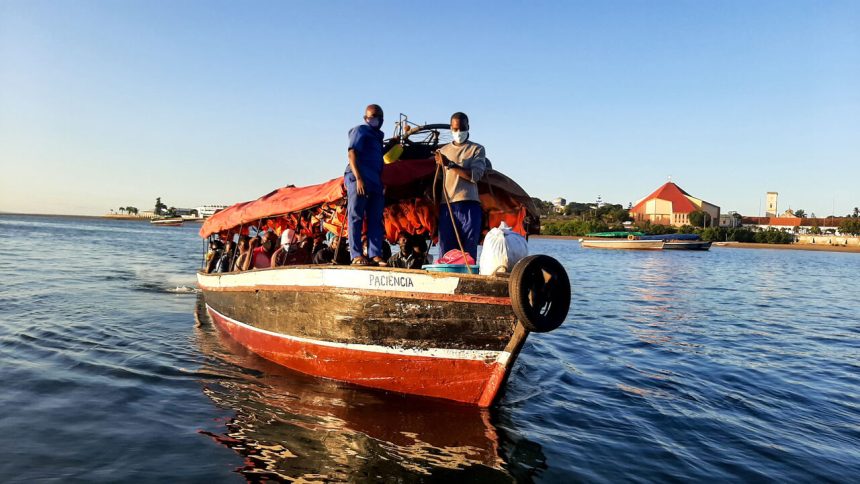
point(434, 274)
point(464, 288)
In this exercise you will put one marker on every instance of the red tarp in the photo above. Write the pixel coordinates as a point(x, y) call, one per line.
point(500, 196)
point(281, 201)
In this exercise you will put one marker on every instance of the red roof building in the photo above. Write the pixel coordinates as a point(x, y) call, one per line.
point(671, 205)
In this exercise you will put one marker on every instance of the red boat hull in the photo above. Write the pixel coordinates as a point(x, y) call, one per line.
point(461, 379)
point(450, 336)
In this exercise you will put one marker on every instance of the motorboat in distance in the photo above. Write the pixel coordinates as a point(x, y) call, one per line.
point(167, 221)
point(641, 241)
point(686, 245)
point(634, 244)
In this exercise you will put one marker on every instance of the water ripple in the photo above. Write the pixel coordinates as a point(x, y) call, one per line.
point(724, 365)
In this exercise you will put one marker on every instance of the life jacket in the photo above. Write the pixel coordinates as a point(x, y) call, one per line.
point(414, 216)
point(514, 219)
point(391, 221)
point(498, 209)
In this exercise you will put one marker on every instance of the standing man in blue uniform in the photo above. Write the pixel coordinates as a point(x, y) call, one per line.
point(465, 163)
point(363, 180)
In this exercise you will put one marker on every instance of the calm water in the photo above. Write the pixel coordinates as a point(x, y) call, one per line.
point(730, 364)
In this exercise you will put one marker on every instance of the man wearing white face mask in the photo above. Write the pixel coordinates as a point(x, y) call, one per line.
point(465, 162)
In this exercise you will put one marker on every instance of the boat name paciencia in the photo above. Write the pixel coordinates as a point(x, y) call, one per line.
point(391, 281)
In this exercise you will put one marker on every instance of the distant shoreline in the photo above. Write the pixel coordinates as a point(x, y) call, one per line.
point(738, 245)
point(50, 215)
point(130, 218)
point(813, 247)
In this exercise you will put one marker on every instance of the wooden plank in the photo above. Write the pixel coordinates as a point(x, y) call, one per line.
point(383, 320)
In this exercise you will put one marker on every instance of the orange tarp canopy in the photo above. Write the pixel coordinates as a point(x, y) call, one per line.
point(404, 180)
point(279, 202)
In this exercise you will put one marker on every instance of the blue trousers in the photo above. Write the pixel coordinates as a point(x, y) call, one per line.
point(468, 216)
point(360, 208)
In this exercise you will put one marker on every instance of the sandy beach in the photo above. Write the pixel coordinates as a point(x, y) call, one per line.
point(826, 248)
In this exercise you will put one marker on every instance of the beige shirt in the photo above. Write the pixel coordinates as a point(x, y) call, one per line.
point(470, 156)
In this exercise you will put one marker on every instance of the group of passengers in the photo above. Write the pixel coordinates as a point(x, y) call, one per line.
point(263, 251)
point(462, 162)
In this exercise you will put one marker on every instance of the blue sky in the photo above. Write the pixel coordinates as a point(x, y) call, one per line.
point(112, 103)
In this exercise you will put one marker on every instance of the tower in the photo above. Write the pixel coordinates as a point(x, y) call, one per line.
point(770, 211)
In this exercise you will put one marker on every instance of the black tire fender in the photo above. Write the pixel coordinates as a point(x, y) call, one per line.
point(540, 293)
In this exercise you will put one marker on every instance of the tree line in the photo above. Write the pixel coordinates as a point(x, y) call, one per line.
point(129, 210)
point(715, 234)
point(579, 219)
point(159, 209)
point(801, 213)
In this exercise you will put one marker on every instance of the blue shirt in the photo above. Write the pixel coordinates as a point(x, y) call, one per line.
point(367, 144)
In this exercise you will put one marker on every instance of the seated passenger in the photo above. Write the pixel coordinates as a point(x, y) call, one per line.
point(326, 255)
point(413, 252)
point(294, 250)
point(247, 263)
point(341, 250)
point(214, 254)
point(288, 243)
point(420, 250)
point(401, 259)
point(261, 257)
point(243, 253)
point(319, 243)
point(225, 262)
point(323, 255)
point(385, 249)
point(304, 253)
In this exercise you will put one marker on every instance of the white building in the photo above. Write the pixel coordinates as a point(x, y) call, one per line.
point(771, 204)
point(730, 220)
point(207, 211)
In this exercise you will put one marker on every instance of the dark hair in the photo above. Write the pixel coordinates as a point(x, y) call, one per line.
point(376, 108)
point(420, 242)
point(461, 116)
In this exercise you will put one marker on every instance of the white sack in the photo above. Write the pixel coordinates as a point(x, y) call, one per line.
point(502, 249)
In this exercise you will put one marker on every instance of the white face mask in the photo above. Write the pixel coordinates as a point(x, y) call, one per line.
point(460, 136)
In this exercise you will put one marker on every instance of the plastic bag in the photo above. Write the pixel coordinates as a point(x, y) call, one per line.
point(455, 256)
point(503, 248)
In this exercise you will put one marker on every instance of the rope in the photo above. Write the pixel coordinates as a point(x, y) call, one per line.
point(235, 248)
point(339, 234)
point(454, 225)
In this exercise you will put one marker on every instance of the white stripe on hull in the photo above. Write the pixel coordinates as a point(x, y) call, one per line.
point(500, 357)
point(623, 244)
point(337, 278)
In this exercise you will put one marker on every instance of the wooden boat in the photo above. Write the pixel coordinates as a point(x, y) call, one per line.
point(636, 244)
point(167, 221)
point(415, 433)
point(686, 245)
point(445, 335)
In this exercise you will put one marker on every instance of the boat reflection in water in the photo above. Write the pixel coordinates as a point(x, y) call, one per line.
point(293, 426)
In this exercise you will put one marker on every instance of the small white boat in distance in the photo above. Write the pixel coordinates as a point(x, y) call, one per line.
point(167, 222)
point(635, 244)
